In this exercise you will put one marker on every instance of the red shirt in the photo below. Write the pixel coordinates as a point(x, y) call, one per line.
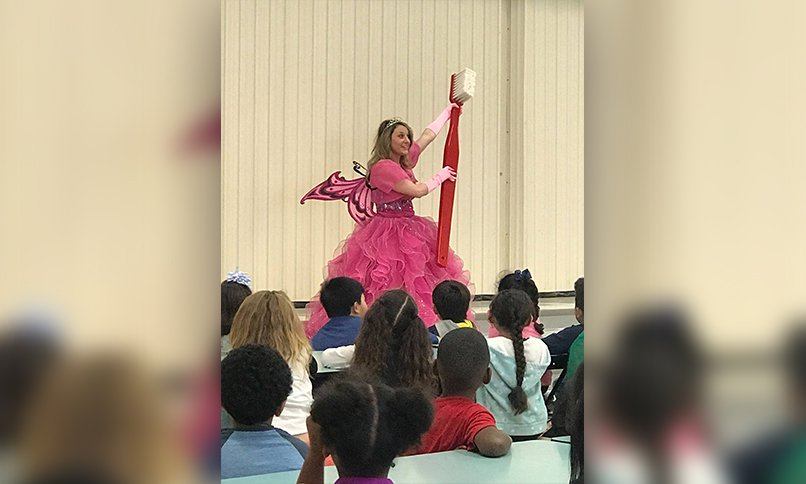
point(457, 420)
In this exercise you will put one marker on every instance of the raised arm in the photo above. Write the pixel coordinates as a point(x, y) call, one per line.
point(313, 468)
point(433, 129)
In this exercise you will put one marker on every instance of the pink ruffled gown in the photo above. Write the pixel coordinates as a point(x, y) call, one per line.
point(396, 249)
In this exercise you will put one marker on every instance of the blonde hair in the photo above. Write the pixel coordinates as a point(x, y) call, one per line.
point(383, 143)
point(268, 318)
point(100, 415)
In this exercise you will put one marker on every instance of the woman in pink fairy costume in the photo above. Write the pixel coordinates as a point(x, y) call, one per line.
point(396, 249)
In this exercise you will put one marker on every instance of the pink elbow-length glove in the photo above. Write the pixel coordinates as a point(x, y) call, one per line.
point(443, 175)
point(444, 116)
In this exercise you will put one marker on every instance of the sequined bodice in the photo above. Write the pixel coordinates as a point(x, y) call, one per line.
point(401, 207)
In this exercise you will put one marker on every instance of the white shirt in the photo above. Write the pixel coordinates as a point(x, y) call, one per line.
point(298, 405)
point(338, 358)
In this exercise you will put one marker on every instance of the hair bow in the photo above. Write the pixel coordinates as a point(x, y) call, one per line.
point(240, 278)
point(523, 275)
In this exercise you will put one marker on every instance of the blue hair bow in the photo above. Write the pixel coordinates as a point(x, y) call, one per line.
point(523, 275)
point(239, 277)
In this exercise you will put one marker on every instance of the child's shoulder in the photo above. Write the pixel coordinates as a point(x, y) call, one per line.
point(459, 407)
point(534, 349)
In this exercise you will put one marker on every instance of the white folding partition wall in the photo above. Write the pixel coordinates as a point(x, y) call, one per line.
point(305, 84)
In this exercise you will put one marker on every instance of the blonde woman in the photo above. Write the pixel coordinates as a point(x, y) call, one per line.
point(396, 249)
point(268, 318)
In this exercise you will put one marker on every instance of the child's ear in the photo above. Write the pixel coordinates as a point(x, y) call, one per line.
point(488, 375)
point(280, 409)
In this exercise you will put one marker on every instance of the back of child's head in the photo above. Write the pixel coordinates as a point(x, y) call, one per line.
point(26, 358)
point(367, 425)
point(268, 318)
point(579, 294)
point(655, 373)
point(255, 381)
point(339, 294)
point(462, 360)
point(393, 343)
point(511, 310)
point(794, 359)
point(451, 300)
point(522, 280)
point(233, 291)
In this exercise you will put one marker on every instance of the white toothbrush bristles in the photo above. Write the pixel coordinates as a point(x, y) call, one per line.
point(464, 84)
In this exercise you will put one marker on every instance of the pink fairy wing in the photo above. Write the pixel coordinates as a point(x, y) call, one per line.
point(355, 192)
point(359, 205)
point(336, 187)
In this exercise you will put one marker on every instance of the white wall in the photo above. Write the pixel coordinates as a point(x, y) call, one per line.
point(306, 83)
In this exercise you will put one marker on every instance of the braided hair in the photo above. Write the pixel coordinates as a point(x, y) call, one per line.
point(512, 310)
point(393, 343)
point(368, 424)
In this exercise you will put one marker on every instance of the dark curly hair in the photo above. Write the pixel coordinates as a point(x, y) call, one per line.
point(393, 343)
point(579, 294)
point(255, 381)
point(367, 424)
point(451, 300)
point(232, 295)
point(512, 310)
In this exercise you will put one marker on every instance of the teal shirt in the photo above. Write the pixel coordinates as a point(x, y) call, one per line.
point(576, 354)
point(495, 395)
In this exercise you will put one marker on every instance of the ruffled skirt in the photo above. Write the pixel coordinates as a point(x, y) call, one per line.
point(392, 253)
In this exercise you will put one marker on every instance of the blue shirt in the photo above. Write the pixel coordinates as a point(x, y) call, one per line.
point(261, 449)
point(560, 343)
point(338, 331)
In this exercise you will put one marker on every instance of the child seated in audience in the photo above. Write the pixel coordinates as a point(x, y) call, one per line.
point(255, 382)
point(234, 289)
point(343, 300)
point(575, 423)
point(451, 301)
point(463, 365)
point(392, 346)
point(364, 426)
point(513, 395)
point(267, 318)
point(523, 281)
point(559, 343)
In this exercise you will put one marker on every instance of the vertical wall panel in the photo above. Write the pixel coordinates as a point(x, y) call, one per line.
point(306, 83)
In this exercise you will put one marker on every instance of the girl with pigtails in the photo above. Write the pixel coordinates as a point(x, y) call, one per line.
point(513, 395)
point(391, 247)
point(392, 346)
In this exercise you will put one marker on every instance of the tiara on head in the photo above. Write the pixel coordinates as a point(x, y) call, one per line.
point(392, 122)
point(240, 278)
